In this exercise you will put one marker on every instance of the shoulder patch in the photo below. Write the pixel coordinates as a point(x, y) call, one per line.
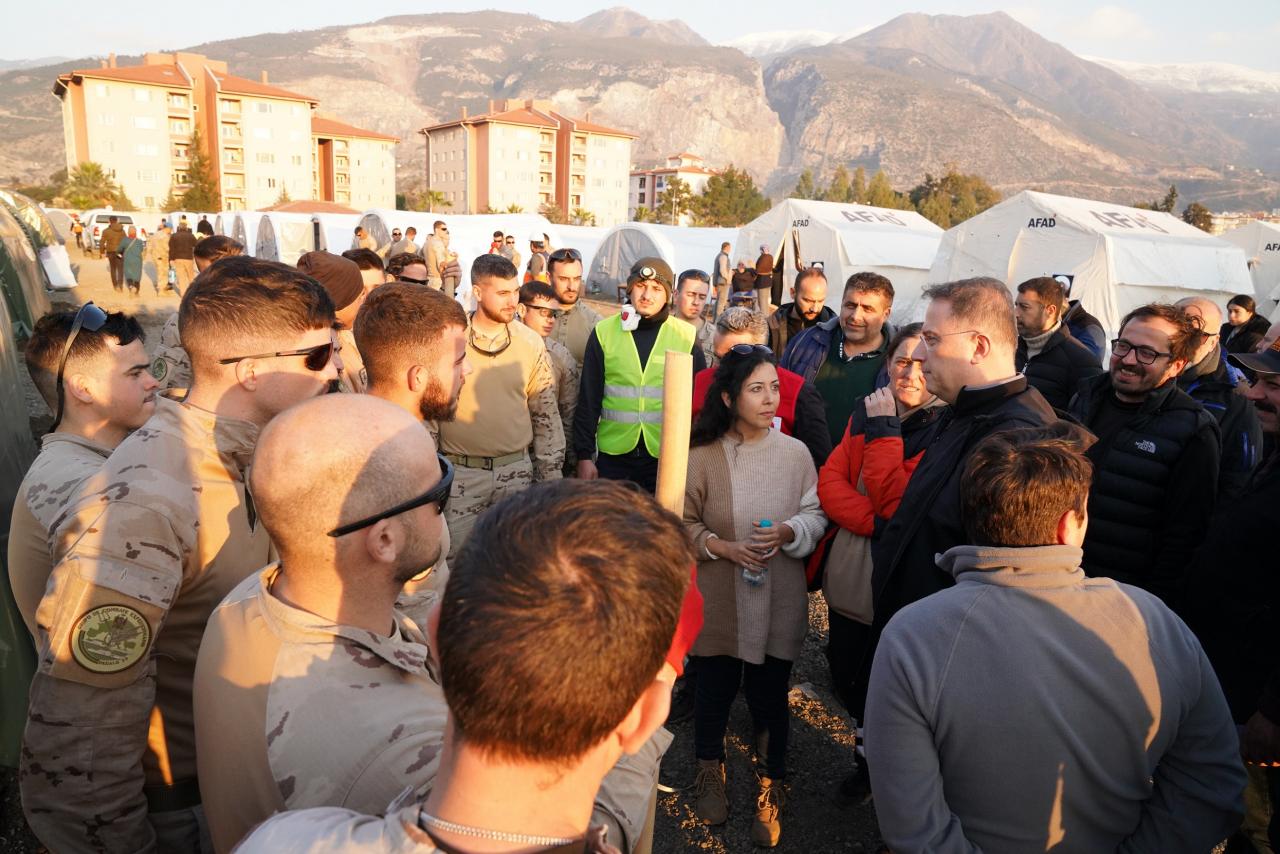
point(159, 367)
point(110, 638)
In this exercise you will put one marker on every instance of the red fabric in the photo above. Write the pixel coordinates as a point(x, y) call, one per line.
point(884, 474)
point(788, 390)
point(690, 623)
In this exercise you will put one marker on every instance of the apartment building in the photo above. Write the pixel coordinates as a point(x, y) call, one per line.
point(525, 154)
point(646, 185)
point(351, 166)
point(139, 123)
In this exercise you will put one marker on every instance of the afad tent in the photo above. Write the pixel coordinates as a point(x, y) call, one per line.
point(682, 248)
point(45, 239)
point(285, 237)
point(1261, 244)
point(1113, 258)
point(244, 230)
point(337, 231)
point(22, 279)
point(844, 239)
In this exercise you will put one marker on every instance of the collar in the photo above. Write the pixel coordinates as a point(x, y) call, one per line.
point(233, 439)
point(1206, 367)
point(1034, 567)
point(1037, 342)
point(406, 648)
point(655, 321)
point(53, 439)
point(972, 399)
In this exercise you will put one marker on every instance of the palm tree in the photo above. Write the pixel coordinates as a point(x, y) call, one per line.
point(582, 216)
point(89, 186)
point(435, 199)
point(514, 208)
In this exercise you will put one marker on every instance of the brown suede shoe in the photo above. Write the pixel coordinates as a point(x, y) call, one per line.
point(767, 827)
point(710, 803)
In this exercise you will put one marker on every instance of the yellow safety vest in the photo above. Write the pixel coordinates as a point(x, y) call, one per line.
point(632, 404)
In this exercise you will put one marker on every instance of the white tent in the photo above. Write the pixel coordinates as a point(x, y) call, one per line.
point(337, 231)
point(244, 228)
point(682, 248)
point(1115, 258)
point(222, 222)
point(585, 238)
point(1261, 244)
point(285, 236)
point(845, 239)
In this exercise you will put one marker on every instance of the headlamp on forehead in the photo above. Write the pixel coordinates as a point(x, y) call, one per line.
point(647, 273)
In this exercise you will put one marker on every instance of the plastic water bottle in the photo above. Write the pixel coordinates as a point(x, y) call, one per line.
point(751, 575)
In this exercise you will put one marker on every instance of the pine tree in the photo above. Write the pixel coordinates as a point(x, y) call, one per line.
point(172, 202)
point(804, 188)
point(730, 199)
point(283, 198)
point(674, 202)
point(1198, 215)
point(841, 190)
point(880, 193)
point(859, 187)
point(203, 194)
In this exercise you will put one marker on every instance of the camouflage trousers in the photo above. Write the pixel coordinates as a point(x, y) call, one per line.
point(476, 490)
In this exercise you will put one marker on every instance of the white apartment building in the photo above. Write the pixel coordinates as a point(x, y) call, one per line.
point(646, 185)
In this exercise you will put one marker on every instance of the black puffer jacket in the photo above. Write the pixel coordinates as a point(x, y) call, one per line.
point(1056, 371)
point(1154, 488)
point(1214, 386)
point(1246, 338)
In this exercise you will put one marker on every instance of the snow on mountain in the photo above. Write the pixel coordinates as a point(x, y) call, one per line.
point(1207, 77)
point(775, 42)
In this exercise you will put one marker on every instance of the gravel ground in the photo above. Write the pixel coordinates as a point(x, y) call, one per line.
point(821, 749)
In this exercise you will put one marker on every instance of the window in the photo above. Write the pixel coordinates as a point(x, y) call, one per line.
point(522, 155)
point(642, 182)
point(271, 183)
point(297, 160)
point(106, 119)
point(179, 152)
point(228, 105)
point(177, 100)
point(230, 132)
point(142, 96)
point(144, 122)
point(149, 202)
point(642, 198)
point(179, 127)
point(100, 89)
point(146, 150)
point(264, 107)
point(262, 133)
point(180, 177)
point(149, 176)
point(265, 157)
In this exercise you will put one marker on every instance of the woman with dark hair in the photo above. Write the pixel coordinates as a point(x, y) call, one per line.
point(1243, 329)
point(751, 507)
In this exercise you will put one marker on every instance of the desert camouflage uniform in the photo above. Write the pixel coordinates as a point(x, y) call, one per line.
point(162, 533)
point(706, 340)
point(574, 328)
point(170, 364)
point(568, 376)
point(293, 711)
point(353, 378)
point(489, 441)
point(52, 482)
point(157, 252)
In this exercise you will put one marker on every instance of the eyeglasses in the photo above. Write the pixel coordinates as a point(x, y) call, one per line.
point(89, 317)
point(471, 342)
point(437, 495)
point(318, 357)
point(395, 234)
point(1144, 355)
point(548, 313)
point(569, 255)
point(511, 240)
point(412, 280)
point(933, 339)
point(748, 349)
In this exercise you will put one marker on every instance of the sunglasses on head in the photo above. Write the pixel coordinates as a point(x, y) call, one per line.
point(437, 495)
point(317, 357)
point(89, 317)
point(748, 349)
point(565, 255)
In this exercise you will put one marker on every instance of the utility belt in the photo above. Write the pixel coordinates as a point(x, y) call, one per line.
point(181, 795)
point(486, 463)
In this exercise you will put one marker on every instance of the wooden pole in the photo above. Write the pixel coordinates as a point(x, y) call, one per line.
point(677, 415)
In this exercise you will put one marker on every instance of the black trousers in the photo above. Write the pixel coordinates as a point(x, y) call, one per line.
point(765, 685)
point(116, 262)
point(847, 643)
point(640, 469)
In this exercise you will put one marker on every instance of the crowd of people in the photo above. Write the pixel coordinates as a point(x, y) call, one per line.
point(341, 566)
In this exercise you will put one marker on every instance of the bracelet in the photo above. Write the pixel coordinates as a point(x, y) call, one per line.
point(705, 548)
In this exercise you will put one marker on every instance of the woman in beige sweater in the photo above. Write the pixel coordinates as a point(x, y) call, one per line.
point(751, 507)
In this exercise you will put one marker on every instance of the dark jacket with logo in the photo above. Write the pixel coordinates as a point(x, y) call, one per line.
point(1154, 488)
point(1085, 328)
point(1214, 386)
point(1056, 371)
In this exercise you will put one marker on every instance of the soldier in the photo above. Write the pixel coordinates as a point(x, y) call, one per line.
point(170, 364)
point(540, 311)
point(100, 391)
point(372, 269)
point(157, 252)
point(507, 410)
point(692, 290)
point(162, 533)
point(341, 278)
point(437, 254)
point(109, 245)
point(526, 773)
point(564, 266)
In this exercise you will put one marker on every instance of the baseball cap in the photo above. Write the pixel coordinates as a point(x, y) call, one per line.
point(651, 268)
point(537, 237)
point(1266, 362)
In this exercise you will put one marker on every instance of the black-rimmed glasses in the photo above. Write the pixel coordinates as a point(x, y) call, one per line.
point(437, 495)
point(89, 317)
point(1144, 355)
point(317, 357)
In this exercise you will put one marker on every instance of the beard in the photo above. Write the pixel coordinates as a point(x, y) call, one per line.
point(436, 404)
point(418, 559)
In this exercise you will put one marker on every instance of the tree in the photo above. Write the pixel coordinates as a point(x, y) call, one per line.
point(859, 188)
point(804, 188)
point(880, 193)
point(582, 216)
point(953, 198)
point(553, 212)
point(730, 199)
point(841, 189)
point(1198, 215)
point(1165, 205)
point(514, 208)
point(674, 202)
point(643, 214)
point(89, 186)
point(283, 198)
point(202, 194)
point(47, 192)
point(172, 202)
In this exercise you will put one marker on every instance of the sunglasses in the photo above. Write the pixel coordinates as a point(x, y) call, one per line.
point(565, 255)
point(471, 342)
point(748, 349)
point(549, 313)
point(89, 317)
point(510, 241)
point(411, 280)
point(437, 495)
point(318, 357)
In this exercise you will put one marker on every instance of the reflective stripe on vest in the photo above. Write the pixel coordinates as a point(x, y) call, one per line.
point(632, 404)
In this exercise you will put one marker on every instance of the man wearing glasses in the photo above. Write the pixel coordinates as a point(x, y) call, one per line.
point(507, 411)
point(539, 311)
point(437, 254)
point(312, 687)
point(577, 319)
point(509, 250)
point(162, 533)
point(91, 369)
point(1155, 466)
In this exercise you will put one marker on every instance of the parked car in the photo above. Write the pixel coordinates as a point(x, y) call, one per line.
point(96, 221)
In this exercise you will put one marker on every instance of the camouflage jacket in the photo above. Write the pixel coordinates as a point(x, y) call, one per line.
point(705, 340)
point(170, 364)
point(354, 378)
point(568, 375)
point(574, 328)
point(160, 535)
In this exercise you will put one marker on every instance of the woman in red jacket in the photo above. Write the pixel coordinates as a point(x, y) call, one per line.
point(860, 488)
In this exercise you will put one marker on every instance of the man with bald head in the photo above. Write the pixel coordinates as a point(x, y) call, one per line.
point(312, 687)
point(1214, 384)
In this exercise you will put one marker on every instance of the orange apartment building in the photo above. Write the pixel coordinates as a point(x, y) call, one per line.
point(262, 140)
point(524, 153)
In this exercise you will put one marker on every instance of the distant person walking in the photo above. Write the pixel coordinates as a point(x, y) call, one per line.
point(131, 249)
point(182, 255)
point(203, 227)
point(109, 245)
point(721, 277)
point(764, 278)
point(157, 252)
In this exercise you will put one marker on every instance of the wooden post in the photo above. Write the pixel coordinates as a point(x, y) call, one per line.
point(677, 414)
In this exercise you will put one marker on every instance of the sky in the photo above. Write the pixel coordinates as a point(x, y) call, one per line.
point(1242, 32)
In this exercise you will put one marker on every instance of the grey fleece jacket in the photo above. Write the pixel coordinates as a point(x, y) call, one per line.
point(1030, 708)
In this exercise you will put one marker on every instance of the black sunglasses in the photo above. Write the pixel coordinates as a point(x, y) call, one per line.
point(318, 357)
point(748, 349)
point(471, 341)
point(437, 495)
point(89, 317)
point(565, 255)
point(411, 280)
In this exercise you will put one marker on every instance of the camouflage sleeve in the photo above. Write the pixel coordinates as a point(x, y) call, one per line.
point(81, 771)
point(336, 829)
point(622, 803)
point(170, 365)
point(544, 412)
point(568, 378)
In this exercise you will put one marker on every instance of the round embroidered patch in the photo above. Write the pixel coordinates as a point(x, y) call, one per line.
point(110, 639)
point(159, 367)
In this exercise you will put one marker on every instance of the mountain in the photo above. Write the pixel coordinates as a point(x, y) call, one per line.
point(15, 64)
point(621, 22)
point(766, 45)
point(1206, 77)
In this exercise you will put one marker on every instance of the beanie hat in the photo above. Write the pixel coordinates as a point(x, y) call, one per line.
point(655, 269)
point(337, 275)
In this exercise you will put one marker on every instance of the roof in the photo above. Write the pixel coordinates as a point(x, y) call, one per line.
point(663, 170)
point(309, 206)
point(332, 127)
point(520, 116)
point(685, 154)
point(156, 75)
point(579, 124)
point(243, 86)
